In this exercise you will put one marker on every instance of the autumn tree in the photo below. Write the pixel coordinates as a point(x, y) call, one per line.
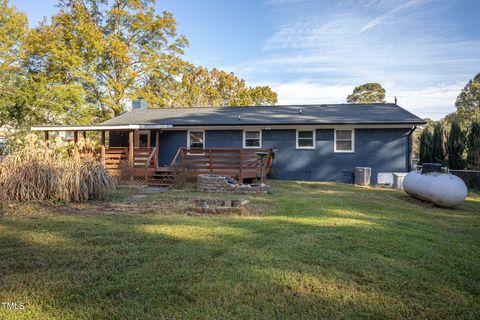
point(456, 147)
point(26, 97)
point(13, 25)
point(110, 47)
point(367, 93)
point(199, 87)
point(473, 146)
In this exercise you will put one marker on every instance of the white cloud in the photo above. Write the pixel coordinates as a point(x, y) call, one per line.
point(432, 102)
point(322, 49)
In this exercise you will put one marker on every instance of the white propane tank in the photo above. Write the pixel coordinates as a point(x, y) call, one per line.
point(443, 189)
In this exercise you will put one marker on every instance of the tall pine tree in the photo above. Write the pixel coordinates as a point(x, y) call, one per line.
point(456, 147)
point(425, 152)
point(438, 149)
point(473, 146)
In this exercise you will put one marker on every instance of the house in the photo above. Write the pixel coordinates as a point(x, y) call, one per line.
point(309, 142)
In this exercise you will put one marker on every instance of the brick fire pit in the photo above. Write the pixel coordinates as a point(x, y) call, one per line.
point(218, 206)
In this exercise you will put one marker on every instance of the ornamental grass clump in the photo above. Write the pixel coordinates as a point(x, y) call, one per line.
point(37, 170)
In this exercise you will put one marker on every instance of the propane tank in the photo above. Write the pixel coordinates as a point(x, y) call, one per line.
point(442, 189)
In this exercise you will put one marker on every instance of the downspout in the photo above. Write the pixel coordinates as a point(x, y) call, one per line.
point(410, 148)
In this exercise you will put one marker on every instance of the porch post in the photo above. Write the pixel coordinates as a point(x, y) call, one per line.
point(102, 154)
point(75, 136)
point(103, 138)
point(130, 150)
point(46, 135)
point(157, 145)
point(84, 135)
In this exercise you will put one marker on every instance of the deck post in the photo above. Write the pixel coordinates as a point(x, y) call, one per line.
point(75, 136)
point(157, 145)
point(46, 135)
point(102, 154)
point(103, 138)
point(130, 152)
point(85, 135)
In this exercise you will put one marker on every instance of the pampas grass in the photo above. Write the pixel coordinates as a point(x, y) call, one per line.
point(37, 170)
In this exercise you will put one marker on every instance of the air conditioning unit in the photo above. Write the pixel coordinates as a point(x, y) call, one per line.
point(362, 176)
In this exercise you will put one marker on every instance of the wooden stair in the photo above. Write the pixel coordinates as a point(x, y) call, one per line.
point(162, 177)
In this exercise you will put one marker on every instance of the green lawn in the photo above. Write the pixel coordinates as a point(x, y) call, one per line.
point(322, 251)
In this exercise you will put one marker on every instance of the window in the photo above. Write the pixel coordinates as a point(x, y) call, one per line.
point(196, 139)
point(344, 141)
point(305, 139)
point(252, 139)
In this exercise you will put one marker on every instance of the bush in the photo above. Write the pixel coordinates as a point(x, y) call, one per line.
point(37, 170)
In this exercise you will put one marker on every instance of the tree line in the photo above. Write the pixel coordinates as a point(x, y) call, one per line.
point(458, 149)
point(82, 64)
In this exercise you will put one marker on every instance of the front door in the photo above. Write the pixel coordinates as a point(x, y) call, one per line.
point(143, 139)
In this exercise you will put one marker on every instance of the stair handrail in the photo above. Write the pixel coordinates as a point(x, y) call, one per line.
point(147, 163)
point(174, 161)
point(150, 157)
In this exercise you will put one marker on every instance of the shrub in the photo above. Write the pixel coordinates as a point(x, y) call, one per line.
point(37, 170)
point(473, 146)
point(456, 147)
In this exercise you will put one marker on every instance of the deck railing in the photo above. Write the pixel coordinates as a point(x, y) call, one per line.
point(238, 163)
point(117, 160)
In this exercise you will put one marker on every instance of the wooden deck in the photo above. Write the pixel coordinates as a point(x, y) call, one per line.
point(142, 164)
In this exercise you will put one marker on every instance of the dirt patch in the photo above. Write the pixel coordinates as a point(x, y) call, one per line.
point(131, 202)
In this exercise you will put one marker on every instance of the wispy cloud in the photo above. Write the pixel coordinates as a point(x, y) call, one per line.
point(322, 49)
point(389, 14)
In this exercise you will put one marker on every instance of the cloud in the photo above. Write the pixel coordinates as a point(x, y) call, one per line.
point(320, 50)
point(433, 102)
point(389, 14)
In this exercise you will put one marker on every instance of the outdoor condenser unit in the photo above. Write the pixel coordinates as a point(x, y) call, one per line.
point(362, 175)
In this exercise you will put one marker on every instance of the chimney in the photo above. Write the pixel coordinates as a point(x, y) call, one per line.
point(139, 104)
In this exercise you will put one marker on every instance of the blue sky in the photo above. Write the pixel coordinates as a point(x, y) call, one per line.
point(422, 51)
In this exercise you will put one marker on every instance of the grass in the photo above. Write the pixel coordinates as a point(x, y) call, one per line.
point(323, 251)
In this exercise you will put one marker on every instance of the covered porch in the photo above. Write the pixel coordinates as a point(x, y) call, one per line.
point(135, 155)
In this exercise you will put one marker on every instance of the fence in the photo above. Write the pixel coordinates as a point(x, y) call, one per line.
point(470, 177)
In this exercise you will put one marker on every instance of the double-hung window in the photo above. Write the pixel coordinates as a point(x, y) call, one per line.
point(196, 140)
point(344, 140)
point(252, 139)
point(305, 139)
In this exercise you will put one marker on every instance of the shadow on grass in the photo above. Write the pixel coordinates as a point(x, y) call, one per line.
point(292, 264)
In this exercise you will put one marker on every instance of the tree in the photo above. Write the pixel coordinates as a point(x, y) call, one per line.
point(473, 146)
point(438, 148)
point(367, 93)
point(456, 147)
point(199, 87)
point(468, 103)
point(13, 26)
point(28, 98)
point(425, 152)
point(110, 47)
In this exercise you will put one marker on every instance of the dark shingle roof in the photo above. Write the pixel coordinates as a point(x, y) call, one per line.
point(271, 115)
